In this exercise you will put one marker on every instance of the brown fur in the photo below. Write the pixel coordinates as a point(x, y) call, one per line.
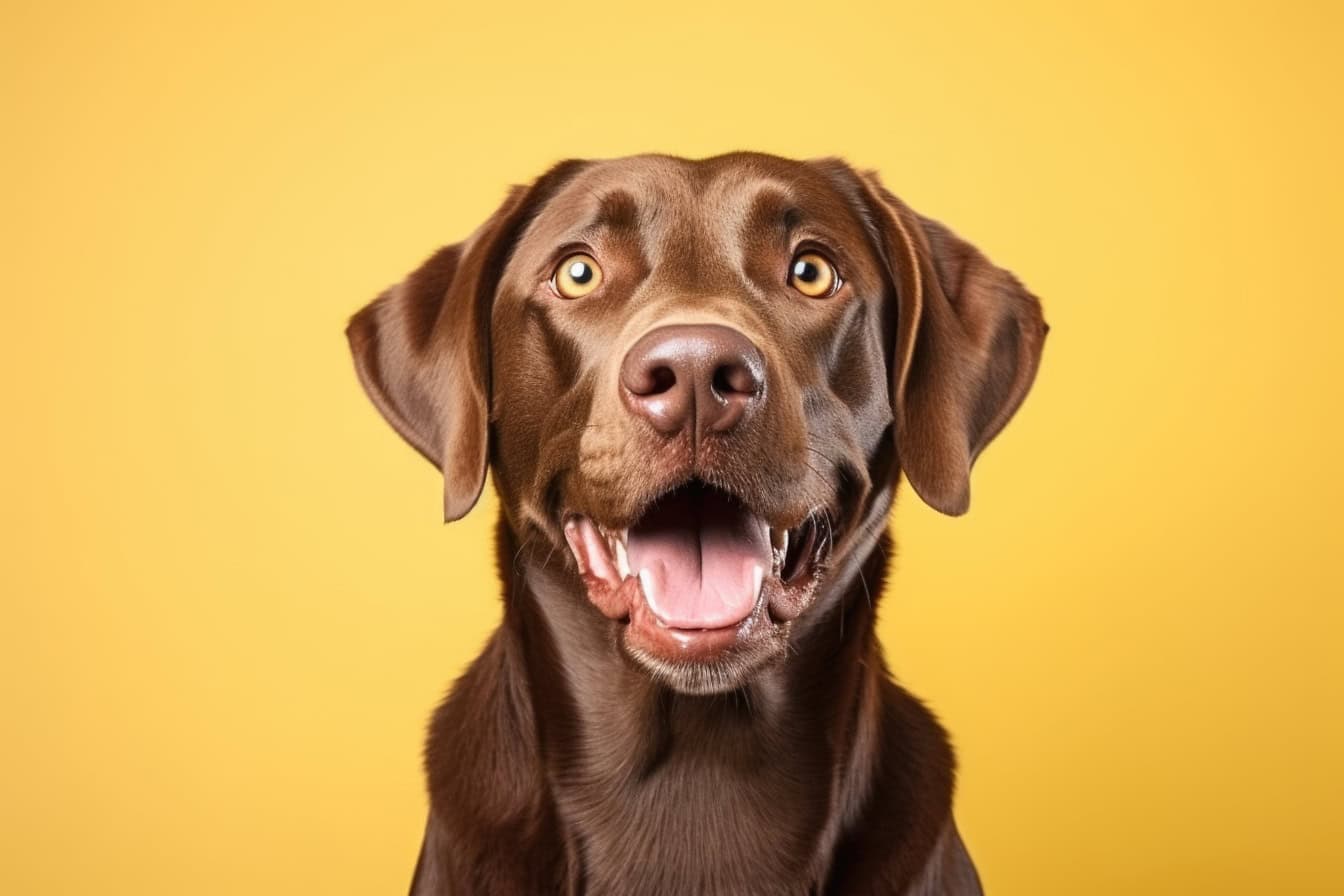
point(559, 765)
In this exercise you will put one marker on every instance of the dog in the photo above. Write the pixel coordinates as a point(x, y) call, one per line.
point(696, 384)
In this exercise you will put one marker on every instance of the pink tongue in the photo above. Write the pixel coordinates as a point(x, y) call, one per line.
point(700, 558)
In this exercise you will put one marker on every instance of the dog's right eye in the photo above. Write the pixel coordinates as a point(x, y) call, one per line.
point(576, 276)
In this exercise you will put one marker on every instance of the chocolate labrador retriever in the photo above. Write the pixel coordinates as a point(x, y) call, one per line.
point(696, 383)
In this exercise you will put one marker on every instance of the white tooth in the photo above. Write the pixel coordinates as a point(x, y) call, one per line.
point(575, 541)
point(757, 578)
point(646, 583)
point(622, 561)
point(779, 549)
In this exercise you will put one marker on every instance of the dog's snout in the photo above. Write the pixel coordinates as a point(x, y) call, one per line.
point(706, 376)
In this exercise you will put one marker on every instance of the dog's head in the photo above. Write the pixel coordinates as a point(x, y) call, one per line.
point(702, 377)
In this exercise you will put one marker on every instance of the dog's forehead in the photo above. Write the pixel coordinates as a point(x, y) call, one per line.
point(693, 204)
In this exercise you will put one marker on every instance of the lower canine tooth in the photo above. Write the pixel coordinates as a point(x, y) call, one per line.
point(622, 561)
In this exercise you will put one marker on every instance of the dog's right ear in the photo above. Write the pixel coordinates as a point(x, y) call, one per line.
point(422, 348)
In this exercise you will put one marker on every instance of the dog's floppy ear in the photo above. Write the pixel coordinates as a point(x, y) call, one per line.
point(968, 342)
point(422, 348)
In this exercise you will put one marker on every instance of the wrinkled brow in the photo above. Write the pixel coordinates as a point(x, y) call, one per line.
point(773, 211)
point(616, 210)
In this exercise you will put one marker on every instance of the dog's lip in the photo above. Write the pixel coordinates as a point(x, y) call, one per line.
point(648, 634)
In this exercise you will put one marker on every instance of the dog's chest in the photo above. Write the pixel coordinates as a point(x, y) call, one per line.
point(698, 826)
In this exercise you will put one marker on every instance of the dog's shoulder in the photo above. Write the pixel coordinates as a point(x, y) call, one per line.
point(481, 753)
point(904, 840)
point(489, 801)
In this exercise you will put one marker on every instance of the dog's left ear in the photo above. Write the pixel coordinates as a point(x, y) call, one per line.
point(422, 348)
point(968, 343)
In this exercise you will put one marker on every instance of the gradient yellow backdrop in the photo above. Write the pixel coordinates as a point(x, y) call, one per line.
point(229, 605)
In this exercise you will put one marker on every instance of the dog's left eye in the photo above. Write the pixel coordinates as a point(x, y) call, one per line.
point(576, 276)
point(813, 275)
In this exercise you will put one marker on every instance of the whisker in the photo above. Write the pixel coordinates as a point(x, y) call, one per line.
point(867, 595)
point(826, 457)
point(519, 553)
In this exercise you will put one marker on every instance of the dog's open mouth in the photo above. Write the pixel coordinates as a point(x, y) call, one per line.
point(698, 571)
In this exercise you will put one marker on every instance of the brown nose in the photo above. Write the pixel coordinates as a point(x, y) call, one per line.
point(704, 375)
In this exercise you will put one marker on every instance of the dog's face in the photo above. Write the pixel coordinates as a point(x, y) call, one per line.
point(697, 381)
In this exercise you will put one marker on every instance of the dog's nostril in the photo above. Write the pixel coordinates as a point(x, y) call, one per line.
point(649, 381)
point(646, 382)
point(661, 379)
point(735, 379)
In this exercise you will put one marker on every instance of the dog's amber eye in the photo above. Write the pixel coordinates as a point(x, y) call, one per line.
point(576, 276)
point(813, 276)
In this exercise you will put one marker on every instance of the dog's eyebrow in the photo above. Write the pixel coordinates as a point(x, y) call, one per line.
point(616, 210)
point(773, 209)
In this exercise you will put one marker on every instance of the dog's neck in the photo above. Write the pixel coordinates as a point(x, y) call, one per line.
point(742, 792)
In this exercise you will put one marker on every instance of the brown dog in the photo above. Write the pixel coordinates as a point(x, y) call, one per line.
point(696, 382)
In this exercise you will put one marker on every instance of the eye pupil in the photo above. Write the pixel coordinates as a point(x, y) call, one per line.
point(806, 271)
point(580, 273)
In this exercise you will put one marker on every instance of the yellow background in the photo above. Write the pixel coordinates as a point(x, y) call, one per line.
point(229, 606)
